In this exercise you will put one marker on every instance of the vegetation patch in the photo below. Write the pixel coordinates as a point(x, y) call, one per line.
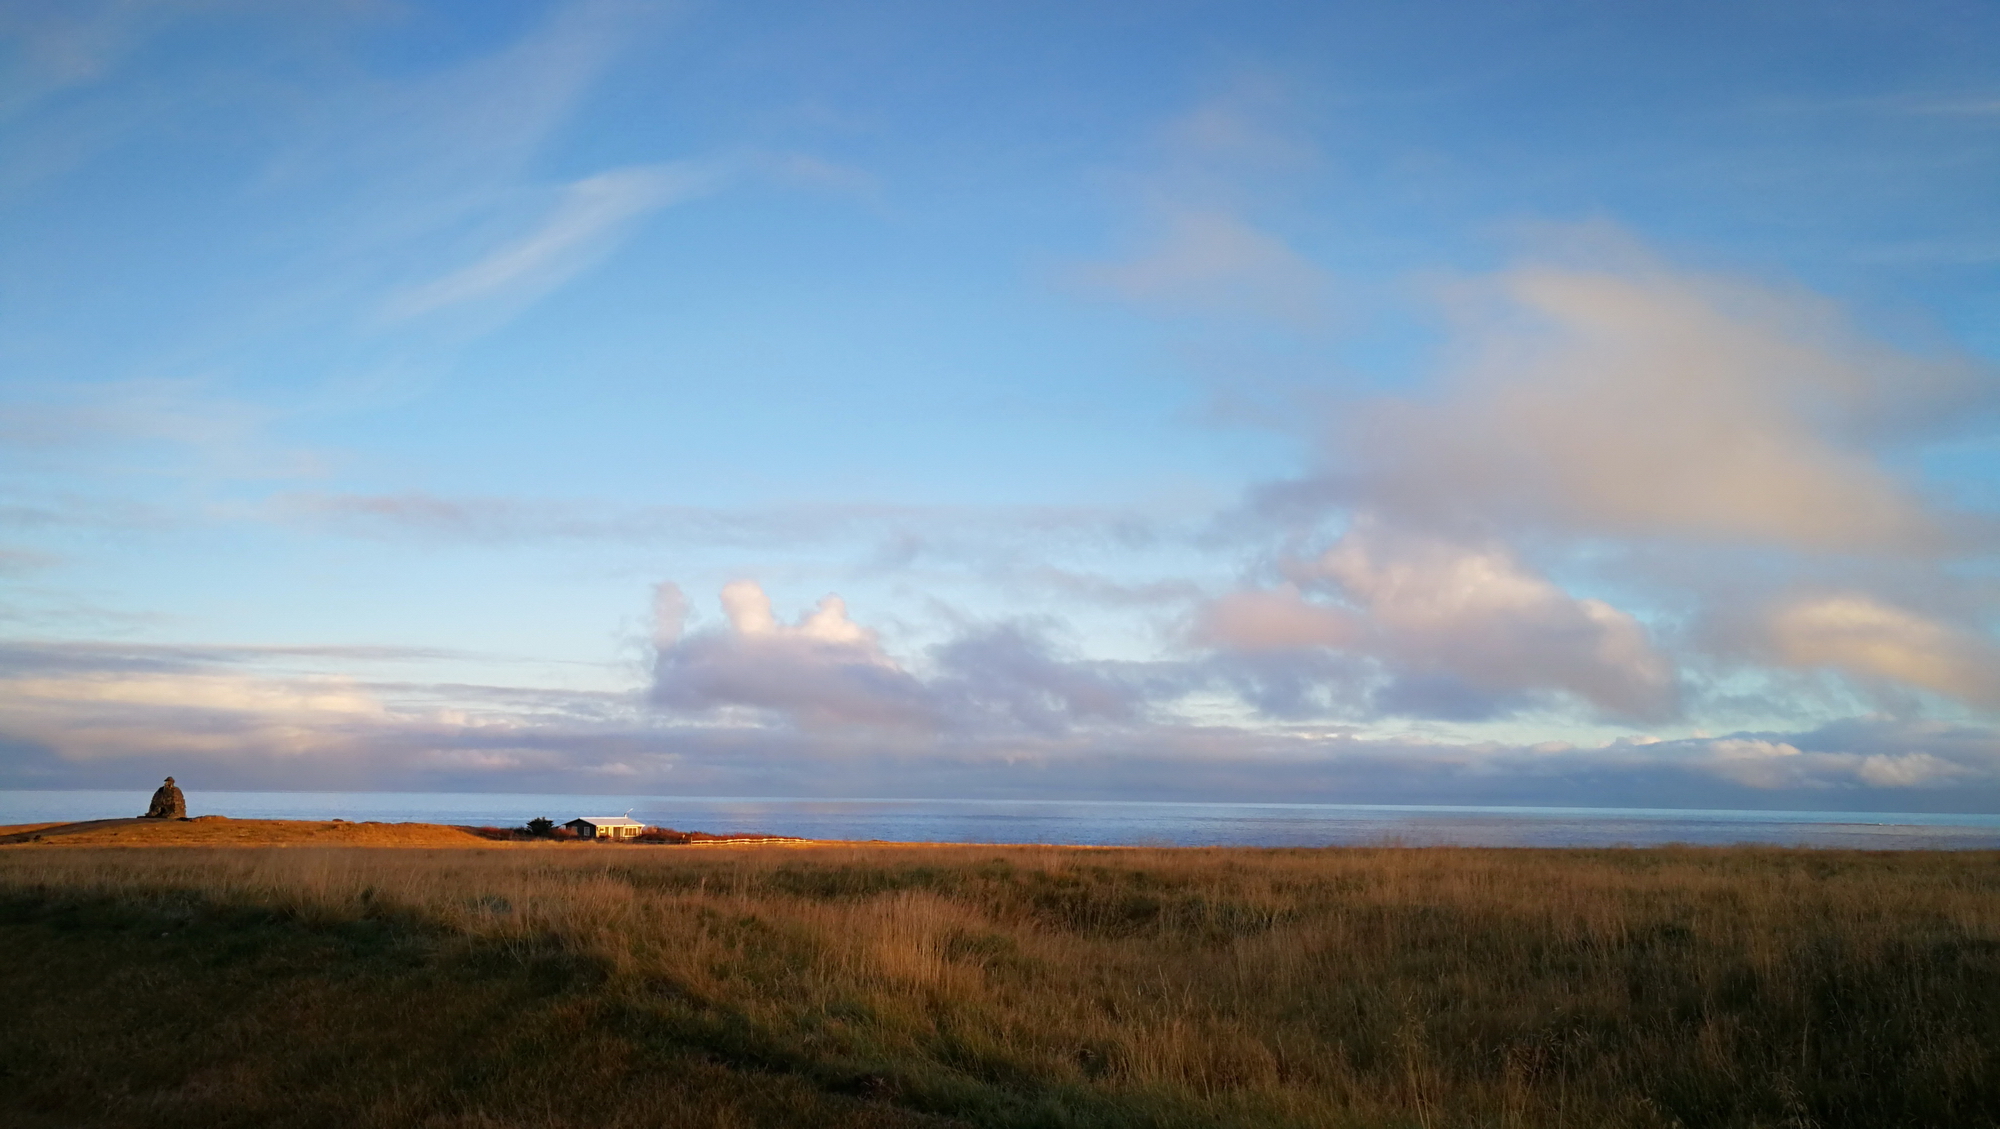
point(999, 987)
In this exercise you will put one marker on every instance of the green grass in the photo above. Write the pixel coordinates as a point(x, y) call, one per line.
point(999, 986)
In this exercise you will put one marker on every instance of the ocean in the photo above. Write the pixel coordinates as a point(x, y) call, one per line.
point(1094, 822)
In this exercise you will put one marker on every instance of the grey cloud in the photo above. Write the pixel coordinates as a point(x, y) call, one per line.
point(1458, 630)
point(550, 741)
point(17, 562)
point(1444, 696)
point(1002, 714)
point(1297, 684)
point(812, 683)
point(1009, 673)
point(827, 672)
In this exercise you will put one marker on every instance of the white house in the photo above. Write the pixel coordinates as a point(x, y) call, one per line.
point(605, 827)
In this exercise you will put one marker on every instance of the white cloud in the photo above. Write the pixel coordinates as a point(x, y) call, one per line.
point(205, 713)
point(1771, 765)
point(1907, 771)
point(1759, 764)
point(749, 612)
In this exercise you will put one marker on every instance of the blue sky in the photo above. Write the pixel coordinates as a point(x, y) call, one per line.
point(1542, 403)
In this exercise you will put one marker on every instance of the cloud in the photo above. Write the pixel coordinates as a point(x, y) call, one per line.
point(1773, 765)
point(1008, 676)
point(1910, 770)
point(1212, 262)
point(1869, 640)
point(443, 138)
point(584, 226)
point(1277, 619)
point(61, 46)
point(547, 748)
point(1706, 447)
point(193, 712)
point(1006, 715)
point(1459, 631)
point(19, 562)
point(1760, 764)
point(97, 713)
point(1644, 403)
point(910, 529)
point(825, 671)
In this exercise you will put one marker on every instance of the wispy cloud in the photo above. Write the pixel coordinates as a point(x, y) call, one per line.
point(1214, 263)
point(58, 46)
point(901, 532)
point(1201, 247)
point(585, 225)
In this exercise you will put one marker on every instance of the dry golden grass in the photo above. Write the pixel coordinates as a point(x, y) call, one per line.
point(1012, 986)
point(215, 831)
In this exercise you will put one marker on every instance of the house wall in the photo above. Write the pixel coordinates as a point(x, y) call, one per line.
point(613, 831)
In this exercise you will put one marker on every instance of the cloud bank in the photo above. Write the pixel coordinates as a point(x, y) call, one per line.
point(1048, 728)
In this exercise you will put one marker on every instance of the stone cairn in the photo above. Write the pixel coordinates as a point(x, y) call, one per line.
point(168, 803)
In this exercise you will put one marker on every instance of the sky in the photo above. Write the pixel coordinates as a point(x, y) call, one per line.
point(1551, 403)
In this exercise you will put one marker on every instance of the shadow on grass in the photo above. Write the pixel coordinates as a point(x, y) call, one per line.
point(196, 1014)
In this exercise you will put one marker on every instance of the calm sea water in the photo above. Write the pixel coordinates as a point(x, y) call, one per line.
point(1079, 821)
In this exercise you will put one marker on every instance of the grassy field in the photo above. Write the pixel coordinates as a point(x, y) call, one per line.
point(215, 831)
point(672, 986)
